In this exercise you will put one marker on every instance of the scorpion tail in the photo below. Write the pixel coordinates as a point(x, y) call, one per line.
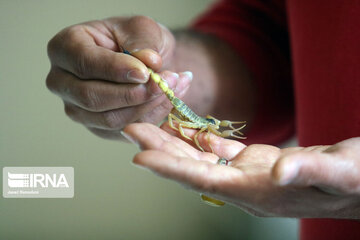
point(162, 84)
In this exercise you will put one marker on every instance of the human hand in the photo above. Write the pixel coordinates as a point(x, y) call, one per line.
point(104, 89)
point(312, 182)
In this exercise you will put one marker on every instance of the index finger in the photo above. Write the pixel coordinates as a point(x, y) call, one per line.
point(225, 148)
point(76, 51)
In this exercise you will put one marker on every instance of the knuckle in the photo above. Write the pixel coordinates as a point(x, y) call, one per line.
point(129, 97)
point(67, 46)
point(76, 49)
point(80, 64)
point(50, 84)
point(56, 43)
point(65, 37)
point(72, 33)
point(111, 120)
point(52, 46)
point(141, 21)
point(88, 98)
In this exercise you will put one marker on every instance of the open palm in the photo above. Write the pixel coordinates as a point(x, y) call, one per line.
point(260, 179)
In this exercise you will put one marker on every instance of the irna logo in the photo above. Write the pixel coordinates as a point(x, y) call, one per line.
point(38, 182)
point(34, 180)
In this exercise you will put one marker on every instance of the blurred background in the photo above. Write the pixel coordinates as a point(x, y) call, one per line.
point(113, 198)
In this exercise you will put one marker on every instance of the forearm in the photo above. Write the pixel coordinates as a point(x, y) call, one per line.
point(222, 85)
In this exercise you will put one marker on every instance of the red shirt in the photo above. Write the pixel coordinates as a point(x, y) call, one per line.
point(323, 40)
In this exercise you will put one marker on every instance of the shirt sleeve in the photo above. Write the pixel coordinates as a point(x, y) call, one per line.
point(257, 31)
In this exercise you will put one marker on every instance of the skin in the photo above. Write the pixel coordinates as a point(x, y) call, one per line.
point(263, 180)
point(105, 90)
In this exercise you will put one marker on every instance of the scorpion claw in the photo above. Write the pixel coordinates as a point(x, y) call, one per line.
point(233, 133)
point(227, 123)
point(237, 136)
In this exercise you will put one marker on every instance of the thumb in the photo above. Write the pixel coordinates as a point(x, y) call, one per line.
point(323, 170)
point(148, 41)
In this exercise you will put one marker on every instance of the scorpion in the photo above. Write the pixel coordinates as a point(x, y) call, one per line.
point(186, 118)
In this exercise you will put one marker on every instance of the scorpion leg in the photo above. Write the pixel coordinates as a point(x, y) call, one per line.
point(197, 141)
point(170, 120)
point(181, 130)
point(214, 131)
point(181, 125)
point(208, 139)
point(171, 117)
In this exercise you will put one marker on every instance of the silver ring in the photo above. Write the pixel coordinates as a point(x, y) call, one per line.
point(223, 162)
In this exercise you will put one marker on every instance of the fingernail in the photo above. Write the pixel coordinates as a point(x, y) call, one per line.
point(289, 172)
point(170, 78)
point(189, 74)
point(136, 76)
point(175, 75)
point(183, 86)
point(130, 139)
